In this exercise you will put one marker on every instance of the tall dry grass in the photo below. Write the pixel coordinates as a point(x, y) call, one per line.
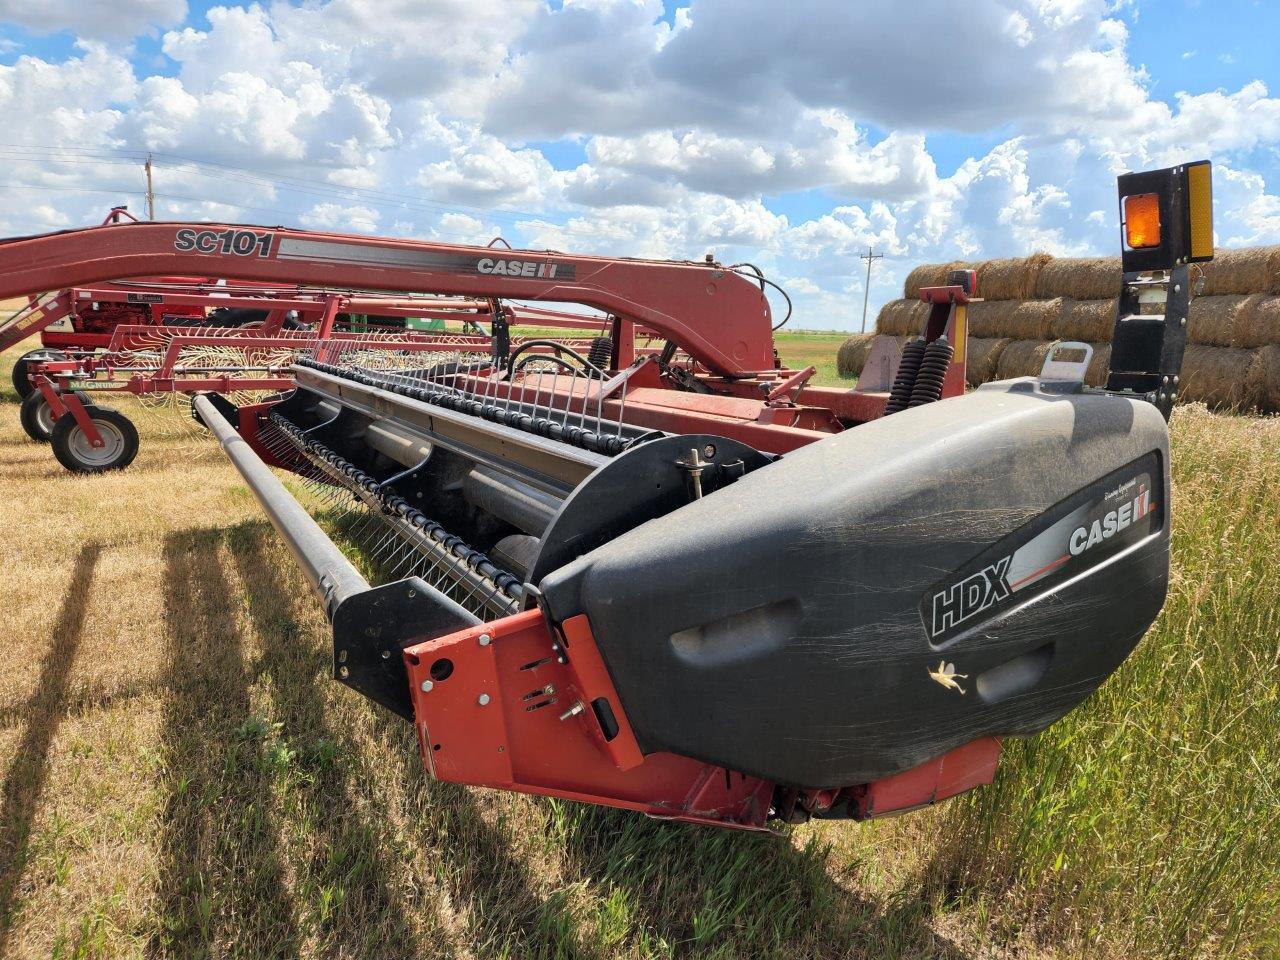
point(1148, 822)
point(180, 778)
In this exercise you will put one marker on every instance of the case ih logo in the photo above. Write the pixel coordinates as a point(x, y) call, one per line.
point(236, 243)
point(1104, 528)
point(517, 268)
point(970, 596)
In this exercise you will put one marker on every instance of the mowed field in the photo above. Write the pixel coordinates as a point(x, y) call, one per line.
point(181, 779)
point(816, 348)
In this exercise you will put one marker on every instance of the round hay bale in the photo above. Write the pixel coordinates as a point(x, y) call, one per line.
point(1264, 378)
point(982, 358)
point(1089, 321)
point(1022, 358)
point(1099, 364)
point(927, 275)
point(1220, 377)
point(1079, 278)
point(902, 318)
point(1244, 271)
point(853, 354)
point(1033, 320)
point(1012, 278)
point(1013, 319)
point(989, 318)
point(1213, 320)
point(1260, 324)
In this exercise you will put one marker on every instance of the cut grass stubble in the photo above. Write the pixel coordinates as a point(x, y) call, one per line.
point(182, 779)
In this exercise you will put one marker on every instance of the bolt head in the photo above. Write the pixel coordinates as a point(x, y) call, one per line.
point(483, 700)
point(426, 686)
point(484, 639)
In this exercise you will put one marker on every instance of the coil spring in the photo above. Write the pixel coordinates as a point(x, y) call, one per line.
point(933, 371)
point(601, 352)
point(905, 380)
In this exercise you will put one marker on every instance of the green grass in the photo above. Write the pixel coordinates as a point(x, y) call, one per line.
point(180, 778)
point(1149, 820)
point(798, 349)
point(817, 348)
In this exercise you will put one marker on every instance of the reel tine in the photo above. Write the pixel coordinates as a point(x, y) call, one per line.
point(391, 541)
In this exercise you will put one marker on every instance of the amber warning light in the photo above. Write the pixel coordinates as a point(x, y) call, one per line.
point(1142, 221)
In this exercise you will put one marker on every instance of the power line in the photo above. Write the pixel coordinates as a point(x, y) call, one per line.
point(11, 184)
point(305, 186)
point(15, 185)
point(272, 210)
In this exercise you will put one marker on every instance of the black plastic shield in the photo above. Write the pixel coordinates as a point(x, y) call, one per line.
point(782, 625)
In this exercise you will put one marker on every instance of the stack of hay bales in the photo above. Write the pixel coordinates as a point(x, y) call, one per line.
point(1233, 352)
point(853, 354)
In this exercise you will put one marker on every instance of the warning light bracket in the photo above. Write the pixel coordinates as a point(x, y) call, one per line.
point(1182, 238)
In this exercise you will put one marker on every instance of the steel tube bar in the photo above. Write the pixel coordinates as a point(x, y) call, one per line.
point(330, 573)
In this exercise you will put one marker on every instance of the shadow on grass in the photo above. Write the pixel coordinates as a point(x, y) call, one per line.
point(470, 858)
point(725, 893)
point(630, 885)
point(24, 781)
point(221, 883)
point(347, 820)
point(80, 702)
point(658, 888)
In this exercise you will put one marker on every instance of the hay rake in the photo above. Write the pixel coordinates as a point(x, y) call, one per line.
point(162, 362)
point(685, 581)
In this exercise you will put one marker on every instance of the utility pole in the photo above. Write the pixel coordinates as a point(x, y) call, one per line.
point(869, 256)
point(151, 194)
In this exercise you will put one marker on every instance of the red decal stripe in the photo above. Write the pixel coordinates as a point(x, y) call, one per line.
point(1043, 570)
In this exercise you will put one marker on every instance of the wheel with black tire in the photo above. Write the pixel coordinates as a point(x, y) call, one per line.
point(38, 419)
point(20, 381)
point(75, 452)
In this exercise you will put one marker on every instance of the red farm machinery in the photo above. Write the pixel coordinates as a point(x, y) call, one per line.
point(208, 336)
point(680, 579)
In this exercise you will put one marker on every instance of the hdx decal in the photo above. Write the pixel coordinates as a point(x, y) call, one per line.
point(971, 596)
point(1081, 532)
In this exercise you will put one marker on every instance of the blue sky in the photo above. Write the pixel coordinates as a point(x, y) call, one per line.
point(635, 127)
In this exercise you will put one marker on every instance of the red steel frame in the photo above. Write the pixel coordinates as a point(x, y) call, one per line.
point(190, 300)
point(494, 729)
point(721, 319)
point(317, 307)
point(729, 333)
point(498, 728)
